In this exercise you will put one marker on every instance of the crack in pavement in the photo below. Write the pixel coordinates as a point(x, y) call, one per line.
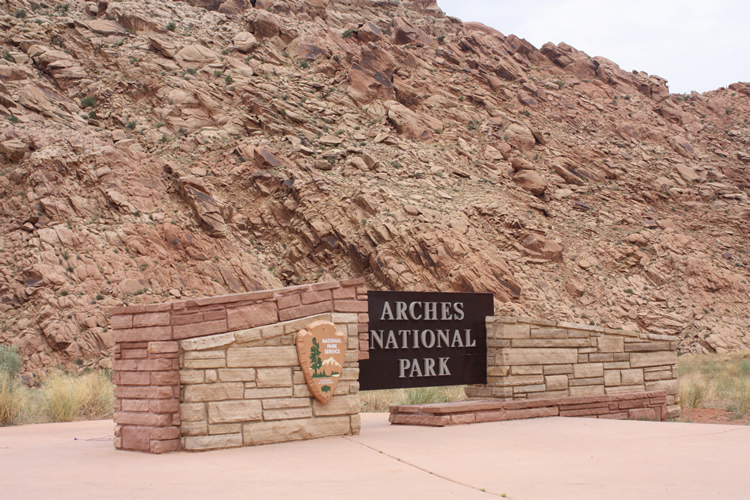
point(425, 470)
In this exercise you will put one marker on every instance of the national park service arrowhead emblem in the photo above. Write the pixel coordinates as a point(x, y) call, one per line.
point(321, 351)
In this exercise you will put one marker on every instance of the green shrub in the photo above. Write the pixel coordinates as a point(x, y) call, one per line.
point(10, 360)
point(347, 34)
point(88, 102)
point(171, 26)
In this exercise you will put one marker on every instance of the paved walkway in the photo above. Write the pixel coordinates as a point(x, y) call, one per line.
point(551, 458)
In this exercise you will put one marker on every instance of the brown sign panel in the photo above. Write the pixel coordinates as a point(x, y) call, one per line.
point(322, 352)
point(426, 339)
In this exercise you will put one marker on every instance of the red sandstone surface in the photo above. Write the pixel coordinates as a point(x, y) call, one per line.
point(162, 151)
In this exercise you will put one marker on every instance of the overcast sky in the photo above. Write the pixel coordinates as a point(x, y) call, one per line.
point(695, 44)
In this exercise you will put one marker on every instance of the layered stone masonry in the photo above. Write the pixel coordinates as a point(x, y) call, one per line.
point(637, 406)
point(246, 388)
point(538, 359)
point(148, 343)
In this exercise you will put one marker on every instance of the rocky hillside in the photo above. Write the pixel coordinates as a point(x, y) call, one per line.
point(160, 150)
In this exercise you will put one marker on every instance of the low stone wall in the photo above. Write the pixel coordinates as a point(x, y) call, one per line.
point(148, 345)
point(535, 359)
point(247, 388)
point(636, 406)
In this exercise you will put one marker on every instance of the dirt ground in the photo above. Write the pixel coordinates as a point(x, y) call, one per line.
point(714, 416)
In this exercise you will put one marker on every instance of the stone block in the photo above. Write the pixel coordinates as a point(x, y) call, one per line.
point(165, 406)
point(171, 377)
point(527, 370)
point(151, 319)
point(241, 318)
point(287, 413)
point(632, 377)
point(612, 378)
point(303, 391)
point(274, 377)
point(163, 347)
point(514, 380)
point(199, 428)
point(296, 325)
point(350, 306)
point(272, 331)
point(219, 442)
point(249, 335)
point(121, 322)
point(134, 378)
point(339, 405)
point(587, 390)
point(625, 389)
point(537, 356)
point(136, 392)
point(192, 376)
point(577, 382)
point(643, 414)
point(315, 297)
point(650, 376)
point(512, 331)
point(305, 311)
point(339, 318)
point(215, 429)
point(258, 357)
point(210, 342)
point(558, 369)
point(611, 343)
point(135, 438)
point(421, 419)
point(236, 374)
point(293, 430)
point(214, 392)
point(556, 382)
point(202, 364)
point(135, 404)
point(142, 418)
point(273, 392)
point(668, 386)
point(199, 329)
point(279, 404)
point(146, 334)
point(234, 411)
point(548, 333)
point(588, 370)
point(643, 359)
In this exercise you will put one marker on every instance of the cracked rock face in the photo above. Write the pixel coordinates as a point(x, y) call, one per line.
point(163, 150)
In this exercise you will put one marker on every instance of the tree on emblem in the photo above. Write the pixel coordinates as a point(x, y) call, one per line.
point(326, 388)
point(315, 362)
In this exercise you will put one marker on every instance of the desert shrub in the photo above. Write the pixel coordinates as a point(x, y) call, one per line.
point(88, 102)
point(10, 361)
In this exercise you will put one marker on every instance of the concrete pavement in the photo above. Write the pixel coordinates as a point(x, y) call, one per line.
point(551, 458)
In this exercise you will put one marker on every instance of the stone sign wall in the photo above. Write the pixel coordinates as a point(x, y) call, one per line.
point(537, 359)
point(247, 388)
point(153, 351)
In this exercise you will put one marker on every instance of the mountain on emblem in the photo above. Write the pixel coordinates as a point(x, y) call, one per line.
point(321, 351)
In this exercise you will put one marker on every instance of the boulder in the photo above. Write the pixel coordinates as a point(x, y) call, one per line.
point(530, 181)
point(244, 42)
point(520, 136)
point(544, 247)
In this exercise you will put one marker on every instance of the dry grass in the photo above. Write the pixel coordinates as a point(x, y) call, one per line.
point(12, 399)
point(62, 398)
point(716, 381)
point(87, 397)
point(380, 401)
